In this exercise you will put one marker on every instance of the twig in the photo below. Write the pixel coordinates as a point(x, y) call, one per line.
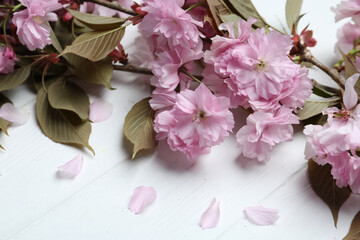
point(112, 5)
point(133, 69)
point(307, 56)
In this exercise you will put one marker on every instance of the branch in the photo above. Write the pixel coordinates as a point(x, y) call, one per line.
point(112, 5)
point(306, 56)
point(133, 69)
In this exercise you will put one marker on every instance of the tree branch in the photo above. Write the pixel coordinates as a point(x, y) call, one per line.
point(307, 56)
point(112, 5)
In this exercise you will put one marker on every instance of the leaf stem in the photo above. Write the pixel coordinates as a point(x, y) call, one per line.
point(195, 5)
point(112, 5)
point(351, 53)
point(190, 75)
point(133, 69)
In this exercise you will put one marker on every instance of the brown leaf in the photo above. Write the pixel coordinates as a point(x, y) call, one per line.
point(138, 126)
point(354, 231)
point(325, 187)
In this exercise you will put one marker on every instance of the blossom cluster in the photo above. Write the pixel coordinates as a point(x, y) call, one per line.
point(336, 142)
point(251, 69)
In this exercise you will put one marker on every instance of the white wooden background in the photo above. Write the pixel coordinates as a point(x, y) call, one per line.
point(36, 204)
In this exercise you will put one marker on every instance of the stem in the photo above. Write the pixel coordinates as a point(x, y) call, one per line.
point(352, 53)
point(6, 6)
point(133, 69)
point(16, 7)
point(307, 56)
point(190, 75)
point(4, 29)
point(194, 6)
point(112, 5)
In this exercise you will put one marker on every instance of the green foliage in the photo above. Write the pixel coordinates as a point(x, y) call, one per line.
point(66, 95)
point(292, 12)
point(14, 79)
point(325, 187)
point(97, 22)
point(138, 126)
point(312, 108)
point(96, 45)
point(94, 72)
point(60, 125)
point(354, 232)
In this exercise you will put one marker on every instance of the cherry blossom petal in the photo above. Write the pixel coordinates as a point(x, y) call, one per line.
point(141, 198)
point(10, 113)
point(350, 96)
point(210, 217)
point(100, 110)
point(262, 216)
point(73, 167)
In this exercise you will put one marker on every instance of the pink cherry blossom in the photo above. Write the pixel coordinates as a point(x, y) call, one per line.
point(168, 19)
point(162, 98)
point(105, 11)
point(336, 142)
point(349, 8)
point(198, 121)
point(263, 130)
point(346, 36)
point(7, 60)
point(32, 28)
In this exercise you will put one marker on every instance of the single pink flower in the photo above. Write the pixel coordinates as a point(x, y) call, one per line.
point(345, 9)
point(168, 19)
point(347, 35)
point(141, 198)
point(210, 217)
point(198, 121)
point(32, 28)
point(7, 60)
point(263, 130)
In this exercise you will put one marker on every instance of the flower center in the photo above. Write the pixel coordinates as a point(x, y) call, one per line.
point(343, 114)
point(38, 19)
point(261, 66)
point(200, 115)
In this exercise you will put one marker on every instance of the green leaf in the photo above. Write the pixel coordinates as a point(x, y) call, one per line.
point(3, 123)
point(138, 126)
point(14, 79)
point(292, 11)
point(354, 232)
point(246, 9)
point(61, 126)
point(97, 22)
point(312, 108)
point(94, 72)
point(96, 45)
point(54, 41)
point(232, 18)
point(317, 90)
point(325, 187)
point(216, 9)
point(66, 95)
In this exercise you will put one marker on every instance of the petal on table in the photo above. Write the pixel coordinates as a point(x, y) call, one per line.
point(141, 198)
point(17, 116)
point(100, 110)
point(73, 167)
point(210, 217)
point(262, 216)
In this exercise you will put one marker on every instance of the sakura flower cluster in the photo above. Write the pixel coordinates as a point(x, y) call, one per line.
point(348, 35)
point(255, 73)
point(336, 142)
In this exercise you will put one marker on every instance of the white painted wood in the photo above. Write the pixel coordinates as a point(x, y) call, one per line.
point(36, 204)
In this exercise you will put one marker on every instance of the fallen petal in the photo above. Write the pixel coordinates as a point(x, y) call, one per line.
point(141, 198)
point(210, 217)
point(73, 167)
point(17, 116)
point(100, 110)
point(262, 216)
